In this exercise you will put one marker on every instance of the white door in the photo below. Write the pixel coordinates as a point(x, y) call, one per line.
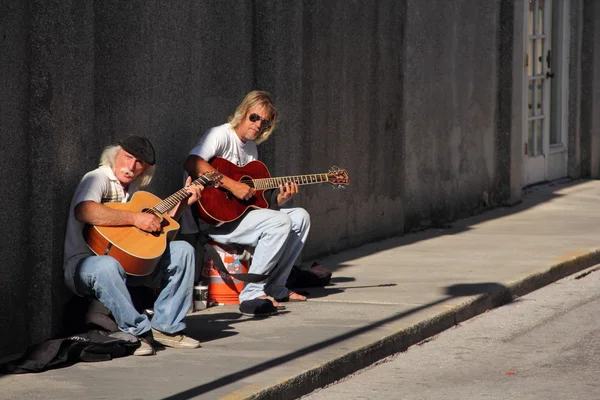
point(544, 139)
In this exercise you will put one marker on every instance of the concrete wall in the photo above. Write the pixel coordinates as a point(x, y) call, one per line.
point(336, 71)
point(409, 96)
point(14, 171)
point(46, 114)
point(590, 89)
point(576, 163)
point(450, 102)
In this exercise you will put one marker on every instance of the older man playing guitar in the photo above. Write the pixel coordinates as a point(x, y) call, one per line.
point(123, 169)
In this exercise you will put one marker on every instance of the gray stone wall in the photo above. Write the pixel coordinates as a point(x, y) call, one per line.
point(590, 89)
point(413, 98)
point(450, 99)
point(576, 163)
point(46, 114)
point(15, 173)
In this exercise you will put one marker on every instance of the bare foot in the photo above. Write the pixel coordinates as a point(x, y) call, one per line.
point(293, 296)
point(272, 300)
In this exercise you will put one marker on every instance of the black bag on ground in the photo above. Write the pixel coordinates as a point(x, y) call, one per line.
point(314, 276)
point(89, 346)
point(90, 334)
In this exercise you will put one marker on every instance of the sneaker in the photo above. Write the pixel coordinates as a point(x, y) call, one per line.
point(146, 348)
point(177, 340)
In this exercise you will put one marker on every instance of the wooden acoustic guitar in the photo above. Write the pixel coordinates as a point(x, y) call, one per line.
point(218, 205)
point(136, 250)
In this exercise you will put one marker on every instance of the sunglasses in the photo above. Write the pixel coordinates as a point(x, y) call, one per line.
point(265, 123)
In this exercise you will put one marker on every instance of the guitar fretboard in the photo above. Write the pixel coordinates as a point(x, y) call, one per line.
point(273, 183)
point(174, 199)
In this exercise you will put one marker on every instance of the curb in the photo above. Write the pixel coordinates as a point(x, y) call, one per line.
point(365, 356)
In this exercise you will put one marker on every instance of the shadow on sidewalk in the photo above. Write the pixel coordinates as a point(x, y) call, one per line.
point(495, 295)
point(214, 326)
point(532, 197)
point(329, 290)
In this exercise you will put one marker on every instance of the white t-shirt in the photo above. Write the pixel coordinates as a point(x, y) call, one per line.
point(101, 186)
point(220, 141)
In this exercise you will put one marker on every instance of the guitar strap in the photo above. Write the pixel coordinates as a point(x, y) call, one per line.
point(218, 262)
point(216, 258)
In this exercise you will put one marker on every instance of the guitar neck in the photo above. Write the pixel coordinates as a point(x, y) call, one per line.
point(174, 199)
point(273, 183)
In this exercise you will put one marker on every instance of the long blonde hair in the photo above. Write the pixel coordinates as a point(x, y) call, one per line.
point(252, 99)
point(109, 158)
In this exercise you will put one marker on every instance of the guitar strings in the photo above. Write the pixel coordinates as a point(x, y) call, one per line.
point(176, 197)
point(272, 183)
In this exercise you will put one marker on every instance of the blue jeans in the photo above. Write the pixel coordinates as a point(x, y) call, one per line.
point(277, 236)
point(104, 278)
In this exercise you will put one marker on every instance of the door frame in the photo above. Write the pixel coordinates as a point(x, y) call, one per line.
point(559, 152)
point(535, 167)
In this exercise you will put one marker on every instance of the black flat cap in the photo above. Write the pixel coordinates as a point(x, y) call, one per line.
point(139, 147)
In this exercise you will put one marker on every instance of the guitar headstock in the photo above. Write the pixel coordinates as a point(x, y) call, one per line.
point(338, 177)
point(211, 178)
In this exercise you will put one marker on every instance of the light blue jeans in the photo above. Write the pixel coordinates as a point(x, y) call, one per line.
point(278, 237)
point(104, 278)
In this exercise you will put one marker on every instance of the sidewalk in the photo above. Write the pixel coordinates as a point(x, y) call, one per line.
point(387, 296)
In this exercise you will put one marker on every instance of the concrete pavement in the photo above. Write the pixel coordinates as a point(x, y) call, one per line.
point(386, 297)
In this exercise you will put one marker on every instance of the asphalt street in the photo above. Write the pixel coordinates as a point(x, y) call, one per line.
point(545, 345)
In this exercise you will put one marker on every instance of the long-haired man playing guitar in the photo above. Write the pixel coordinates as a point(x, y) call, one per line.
point(277, 234)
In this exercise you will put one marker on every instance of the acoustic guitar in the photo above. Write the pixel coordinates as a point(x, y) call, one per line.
point(218, 205)
point(136, 250)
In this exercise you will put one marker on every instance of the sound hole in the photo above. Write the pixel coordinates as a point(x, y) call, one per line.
point(248, 181)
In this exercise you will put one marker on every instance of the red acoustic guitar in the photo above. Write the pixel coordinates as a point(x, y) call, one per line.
point(136, 250)
point(218, 205)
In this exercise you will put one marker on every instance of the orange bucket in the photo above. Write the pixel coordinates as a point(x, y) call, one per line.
point(223, 288)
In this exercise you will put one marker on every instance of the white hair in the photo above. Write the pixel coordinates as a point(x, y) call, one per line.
point(109, 157)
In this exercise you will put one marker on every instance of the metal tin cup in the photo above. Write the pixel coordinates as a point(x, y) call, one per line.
point(200, 297)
